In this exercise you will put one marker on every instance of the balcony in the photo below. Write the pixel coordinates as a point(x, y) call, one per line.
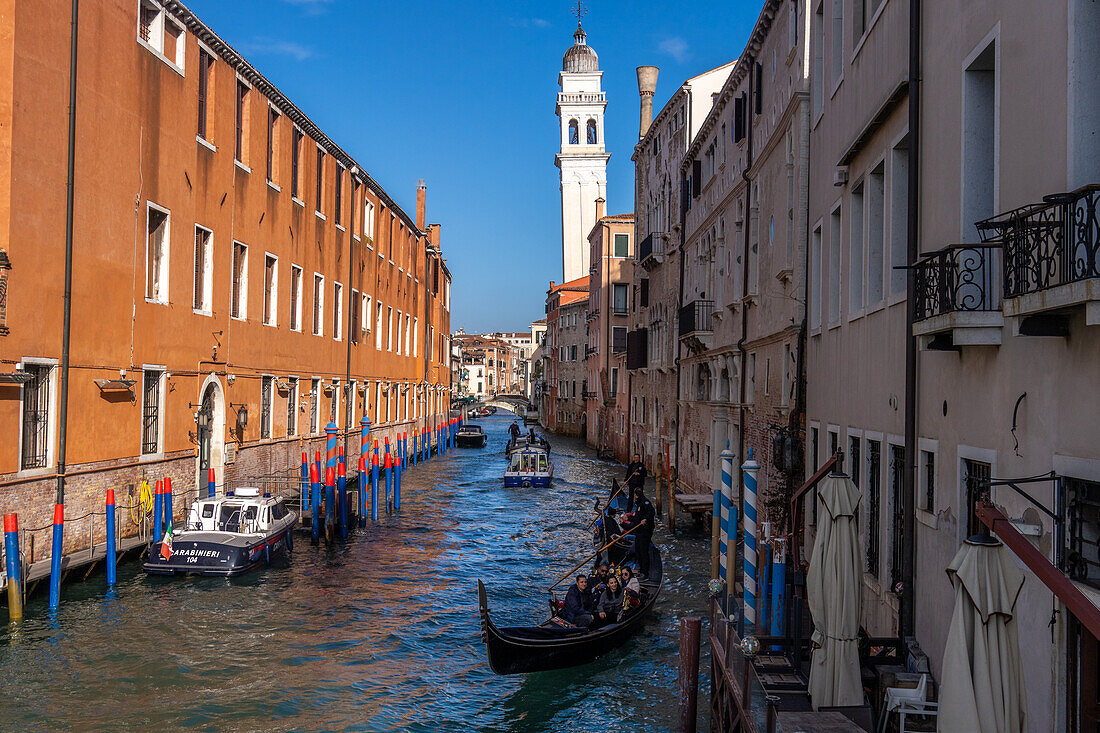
point(651, 250)
point(695, 324)
point(589, 395)
point(958, 297)
point(1051, 255)
point(590, 351)
point(637, 349)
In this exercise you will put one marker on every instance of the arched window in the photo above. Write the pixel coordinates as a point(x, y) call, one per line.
point(724, 386)
point(574, 133)
point(591, 132)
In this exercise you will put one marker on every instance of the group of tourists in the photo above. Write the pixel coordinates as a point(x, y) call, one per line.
point(612, 590)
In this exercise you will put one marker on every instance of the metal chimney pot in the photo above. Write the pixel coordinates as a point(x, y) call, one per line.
point(647, 85)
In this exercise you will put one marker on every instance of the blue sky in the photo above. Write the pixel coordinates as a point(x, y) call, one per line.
point(462, 95)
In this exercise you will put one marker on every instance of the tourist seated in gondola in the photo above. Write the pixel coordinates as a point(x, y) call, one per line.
point(632, 591)
point(578, 604)
point(610, 606)
point(597, 582)
point(618, 551)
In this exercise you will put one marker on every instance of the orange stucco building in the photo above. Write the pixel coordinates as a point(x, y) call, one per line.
point(238, 279)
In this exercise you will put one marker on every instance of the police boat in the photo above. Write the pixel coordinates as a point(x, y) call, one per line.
point(226, 535)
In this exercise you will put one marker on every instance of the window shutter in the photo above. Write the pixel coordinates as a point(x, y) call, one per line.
point(696, 177)
point(645, 292)
point(738, 119)
point(198, 269)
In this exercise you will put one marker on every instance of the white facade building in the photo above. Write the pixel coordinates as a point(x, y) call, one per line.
point(582, 159)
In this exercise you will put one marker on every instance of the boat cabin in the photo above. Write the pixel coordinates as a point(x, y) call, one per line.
point(245, 511)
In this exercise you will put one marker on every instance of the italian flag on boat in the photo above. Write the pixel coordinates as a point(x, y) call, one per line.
point(166, 544)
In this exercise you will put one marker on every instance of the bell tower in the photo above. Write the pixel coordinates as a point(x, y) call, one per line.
point(582, 160)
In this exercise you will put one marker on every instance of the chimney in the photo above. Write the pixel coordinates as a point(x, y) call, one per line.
point(647, 85)
point(421, 191)
point(600, 208)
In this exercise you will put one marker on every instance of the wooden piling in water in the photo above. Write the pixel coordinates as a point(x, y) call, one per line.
point(688, 683)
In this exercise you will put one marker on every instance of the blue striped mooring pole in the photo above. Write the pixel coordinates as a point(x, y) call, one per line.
point(11, 555)
point(727, 541)
point(55, 557)
point(111, 557)
point(749, 469)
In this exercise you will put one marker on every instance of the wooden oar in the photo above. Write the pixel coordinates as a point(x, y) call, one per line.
point(617, 491)
point(582, 562)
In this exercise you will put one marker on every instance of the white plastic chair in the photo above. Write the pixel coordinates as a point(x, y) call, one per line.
point(896, 697)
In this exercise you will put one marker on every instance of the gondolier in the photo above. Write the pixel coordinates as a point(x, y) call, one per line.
point(641, 520)
point(635, 477)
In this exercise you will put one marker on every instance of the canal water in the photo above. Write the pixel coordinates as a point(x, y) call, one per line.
point(378, 634)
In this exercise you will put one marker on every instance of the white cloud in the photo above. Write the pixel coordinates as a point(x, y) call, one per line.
point(273, 47)
point(675, 47)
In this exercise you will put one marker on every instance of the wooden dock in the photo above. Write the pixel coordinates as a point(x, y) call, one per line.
point(698, 506)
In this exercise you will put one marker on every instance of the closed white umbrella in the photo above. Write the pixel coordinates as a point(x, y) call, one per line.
point(982, 689)
point(833, 587)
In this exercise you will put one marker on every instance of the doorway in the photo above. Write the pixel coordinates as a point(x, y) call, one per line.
point(211, 434)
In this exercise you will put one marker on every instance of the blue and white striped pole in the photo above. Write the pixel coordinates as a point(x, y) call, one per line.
point(727, 536)
point(749, 469)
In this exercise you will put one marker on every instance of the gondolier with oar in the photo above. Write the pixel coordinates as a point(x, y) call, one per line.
point(641, 521)
point(635, 477)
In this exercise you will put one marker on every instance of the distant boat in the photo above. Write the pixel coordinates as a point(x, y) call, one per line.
point(227, 535)
point(470, 436)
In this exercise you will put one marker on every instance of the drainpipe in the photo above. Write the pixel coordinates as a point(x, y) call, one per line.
point(745, 282)
point(351, 307)
point(63, 409)
point(906, 626)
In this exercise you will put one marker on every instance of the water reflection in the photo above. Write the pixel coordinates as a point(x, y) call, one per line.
point(378, 634)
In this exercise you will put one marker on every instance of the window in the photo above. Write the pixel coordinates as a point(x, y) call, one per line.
point(318, 304)
point(354, 310)
point(295, 162)
point(590, 129)
point(573, 352)
point(817, 75)
point(875, 222)
point(206, 62)
point(836, 43)
point(815, 279)
point(238, 305)
point(337, 311)
point(368, 219)
point(853, 459)
point(618, 339)
point(271, 289)
point(241, 134)
point(365, 322)
point(976, 476)
point(37, 435)
point(266, 398)
point(160, 33)
point(156, 254)
point(899, 215)
point(204, 271)
point(389, 328)
point(416, 337)
point(292, 406)
point(834, 266)
point(574, 132)
point(614, 380)
point(378, 328)
point(750, 380)
point(979, 133)
point(320, 188)
point(874, 478)
point(788, 376)
point(897, 530)
point(408, 324)
point(619, 293)
point(334, 404)
point(622, 245)
point(151, 394)
point(928, 479)
point(272, 143)
point(314, 406)
point(338, 194)
point(295, 298)
point(855, 250)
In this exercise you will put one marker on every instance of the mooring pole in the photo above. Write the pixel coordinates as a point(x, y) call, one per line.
point(397, 481)
point(387, 469)
point(342, 501)
point(330, 502)
point(55, 557)
point(305, 498)
point(211, 483)
point(315, 502)
point(688, 683)
point(11, 556)
point(374, 484)
point(111, 558)
point(167, 503)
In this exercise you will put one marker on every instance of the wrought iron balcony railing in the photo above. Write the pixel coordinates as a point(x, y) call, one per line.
point(959, 278)
point(589, 395)
point(1048, 244)
point(652, 246)
point(589, 351)
point(695, 317)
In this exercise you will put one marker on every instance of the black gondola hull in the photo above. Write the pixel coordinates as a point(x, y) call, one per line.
point(515, 650)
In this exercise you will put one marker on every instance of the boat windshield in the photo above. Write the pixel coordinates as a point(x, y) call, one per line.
point(542, 463)
point(229, 519)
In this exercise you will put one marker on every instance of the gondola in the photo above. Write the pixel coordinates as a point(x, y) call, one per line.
point(517, 649)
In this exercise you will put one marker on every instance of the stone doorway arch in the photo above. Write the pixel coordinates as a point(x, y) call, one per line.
point(211, 440)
